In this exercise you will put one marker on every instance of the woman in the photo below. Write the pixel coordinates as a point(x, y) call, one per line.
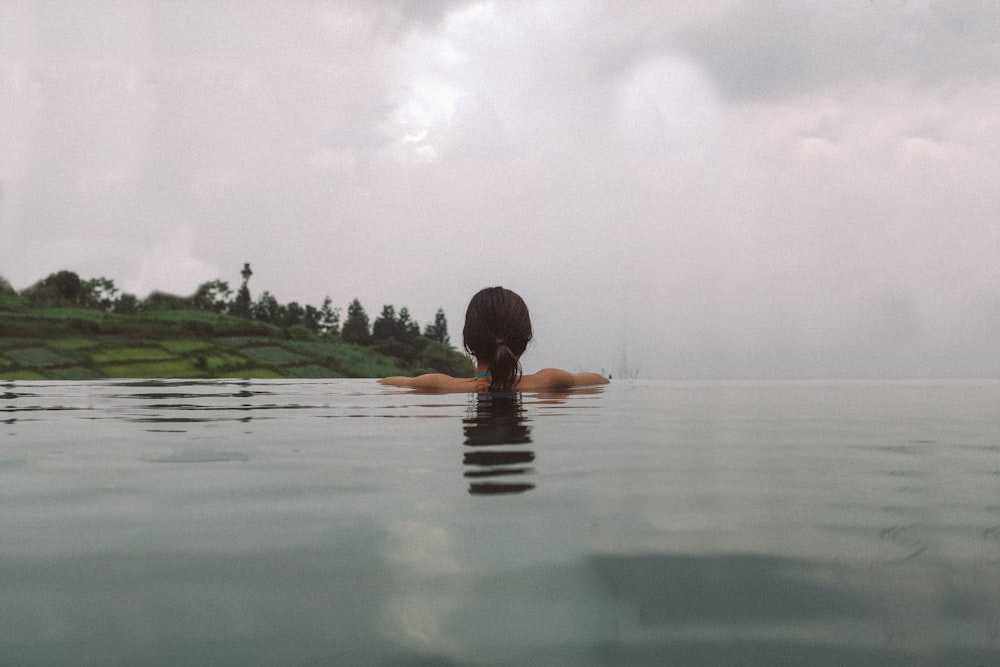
point(497, 331)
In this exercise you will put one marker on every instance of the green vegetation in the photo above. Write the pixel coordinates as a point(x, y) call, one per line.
point(66, 328)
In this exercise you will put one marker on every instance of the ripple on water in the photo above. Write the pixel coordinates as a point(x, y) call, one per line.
point(201, 456)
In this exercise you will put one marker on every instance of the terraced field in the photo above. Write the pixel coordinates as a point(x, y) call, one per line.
point(80, 359)
point(78, 344)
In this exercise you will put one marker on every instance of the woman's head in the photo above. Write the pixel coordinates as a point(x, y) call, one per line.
point(497, 331)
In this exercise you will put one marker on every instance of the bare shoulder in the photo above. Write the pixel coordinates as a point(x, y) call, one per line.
point(557, 378)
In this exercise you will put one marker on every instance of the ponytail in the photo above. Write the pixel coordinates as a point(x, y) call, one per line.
point(505, 369)
point(497, 331)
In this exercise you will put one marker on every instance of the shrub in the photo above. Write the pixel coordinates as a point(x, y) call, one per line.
point(445, 359)
point(299, 332)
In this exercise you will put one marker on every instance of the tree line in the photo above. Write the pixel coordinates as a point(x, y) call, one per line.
point(392, 333)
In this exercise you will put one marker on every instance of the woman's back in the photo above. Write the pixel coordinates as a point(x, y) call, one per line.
point(497, 332)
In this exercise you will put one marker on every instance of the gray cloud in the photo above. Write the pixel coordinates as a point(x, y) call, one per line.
point(694, 189)
point(781, 48)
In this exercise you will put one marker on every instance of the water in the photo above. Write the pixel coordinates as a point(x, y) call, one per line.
point(340, 522)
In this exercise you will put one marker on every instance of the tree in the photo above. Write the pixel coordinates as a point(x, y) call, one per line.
point(293, 314)
point(213, 295)
point(127, 304)
point(67, 283)
point(242, 305)
point(385, 325)
point(61, 288)
point(438, 330)
point(329, 318)
point(267, 309)
point(397, 335)
point(9, 298)
point(164, 301)
point(6, 287)
point(311, 318)
point(407, 330)
point(356, 325)
point(398, 327)
point(99, 293)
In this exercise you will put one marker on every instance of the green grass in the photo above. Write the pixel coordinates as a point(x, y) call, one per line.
point(22, 375)
point(69, 314)
point(124, 354)
point(254, 374)
point(317, 348)
point(184, 346)
point(180, 368)
point(37, 356)
point(272, 354)
point(10, 302)
point(312, 371)
point(243, 341)
point(343, 359)
point(70, 344)
point(181, 315)
point(222, 360)
point(75, 373)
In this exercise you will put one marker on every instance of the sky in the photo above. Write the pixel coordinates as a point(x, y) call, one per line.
point(685, 190)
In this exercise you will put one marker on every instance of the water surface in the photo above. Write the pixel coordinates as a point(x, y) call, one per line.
point(341, 522)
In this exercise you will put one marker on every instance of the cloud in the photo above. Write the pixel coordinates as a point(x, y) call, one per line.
point(703, 189)
point(781, 48)
point(171, 261)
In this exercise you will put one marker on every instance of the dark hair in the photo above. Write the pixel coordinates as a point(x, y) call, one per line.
point(497, 330)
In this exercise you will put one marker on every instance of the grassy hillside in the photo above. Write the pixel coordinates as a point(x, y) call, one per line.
point(77, 344)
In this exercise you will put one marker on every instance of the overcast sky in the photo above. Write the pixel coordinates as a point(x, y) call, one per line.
point(680, 189)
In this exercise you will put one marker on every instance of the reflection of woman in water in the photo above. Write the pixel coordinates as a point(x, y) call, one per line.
point(497, 436)
point(497, 331)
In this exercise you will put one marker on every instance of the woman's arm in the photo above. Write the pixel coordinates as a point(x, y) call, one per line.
point(428, 381)
point(589, 378)
point(419, 381)
point(556, 378)
point(547, 378)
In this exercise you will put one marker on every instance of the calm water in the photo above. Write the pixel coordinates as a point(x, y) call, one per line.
point(340, 522)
